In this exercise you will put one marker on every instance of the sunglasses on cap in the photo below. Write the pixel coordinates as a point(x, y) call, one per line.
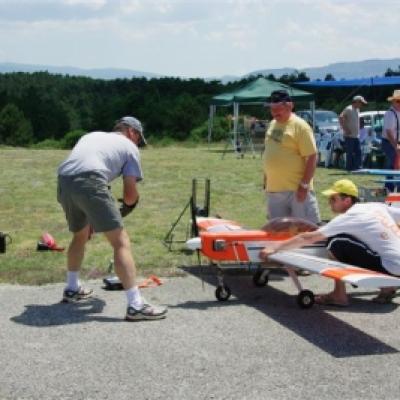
point(280, 97)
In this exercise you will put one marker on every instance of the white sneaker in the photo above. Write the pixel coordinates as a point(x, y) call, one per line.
point(71, 296)
point(147, 312)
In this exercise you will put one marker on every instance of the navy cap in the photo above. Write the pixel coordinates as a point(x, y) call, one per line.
point(280, 96)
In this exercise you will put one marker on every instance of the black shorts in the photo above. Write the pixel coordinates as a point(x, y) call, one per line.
point(350, 250)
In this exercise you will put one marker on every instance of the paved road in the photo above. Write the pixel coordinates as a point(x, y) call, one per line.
point(258, 345)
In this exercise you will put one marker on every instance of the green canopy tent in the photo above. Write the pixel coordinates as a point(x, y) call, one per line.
point(255, 92)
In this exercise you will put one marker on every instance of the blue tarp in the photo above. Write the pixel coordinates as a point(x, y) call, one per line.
point(377, 81)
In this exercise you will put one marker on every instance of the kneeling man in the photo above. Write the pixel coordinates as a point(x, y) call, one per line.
point(366, 235)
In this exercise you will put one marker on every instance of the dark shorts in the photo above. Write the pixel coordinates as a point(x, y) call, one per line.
point(350, 250)
point(86, 199)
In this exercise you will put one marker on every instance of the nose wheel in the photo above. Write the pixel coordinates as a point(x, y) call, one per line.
point(222, 293)
point(260, 278)
point(305, 299)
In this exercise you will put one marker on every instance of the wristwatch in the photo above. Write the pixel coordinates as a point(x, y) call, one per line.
point(304, 185)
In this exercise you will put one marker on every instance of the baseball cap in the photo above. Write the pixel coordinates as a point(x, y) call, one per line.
point(360, 99)
point(345, 186)
point(280, 96)
point(135, 124)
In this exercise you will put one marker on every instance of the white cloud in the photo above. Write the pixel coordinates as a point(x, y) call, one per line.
point(49, 26)
point(198, 37)
point(93, 4)
point(163, 6)
point(131, 6)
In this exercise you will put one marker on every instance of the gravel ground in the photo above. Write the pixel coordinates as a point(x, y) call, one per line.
point(257, 345)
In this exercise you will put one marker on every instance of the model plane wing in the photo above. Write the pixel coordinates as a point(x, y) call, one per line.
point(336, 270)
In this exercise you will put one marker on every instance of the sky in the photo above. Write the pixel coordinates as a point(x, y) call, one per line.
point(197, 38)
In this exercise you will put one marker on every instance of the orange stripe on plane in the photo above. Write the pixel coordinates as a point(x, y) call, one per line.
point(340, 273)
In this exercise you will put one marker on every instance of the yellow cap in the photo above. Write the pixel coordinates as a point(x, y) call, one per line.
point(345, 186)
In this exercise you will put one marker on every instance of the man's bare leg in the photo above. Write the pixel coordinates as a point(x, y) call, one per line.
point(338, 295)
point(125, 269)
point(76, 249)
point(123, 260)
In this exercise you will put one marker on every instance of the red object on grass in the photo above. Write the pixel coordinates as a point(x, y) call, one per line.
point(151, 281)
point(50, 242)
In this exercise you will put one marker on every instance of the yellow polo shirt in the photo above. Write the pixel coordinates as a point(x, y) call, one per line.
point(287, 145)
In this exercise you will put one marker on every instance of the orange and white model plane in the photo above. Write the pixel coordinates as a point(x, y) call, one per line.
point(224, 241)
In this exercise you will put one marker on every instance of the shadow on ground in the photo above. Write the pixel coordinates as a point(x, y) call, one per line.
point(41, 315)
point(316, 325)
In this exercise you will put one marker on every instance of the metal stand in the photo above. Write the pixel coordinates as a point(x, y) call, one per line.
point(242, 143)
point(195, 211)
point(112, 282)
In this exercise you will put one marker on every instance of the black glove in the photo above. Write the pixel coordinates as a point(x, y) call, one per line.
point(125, 209)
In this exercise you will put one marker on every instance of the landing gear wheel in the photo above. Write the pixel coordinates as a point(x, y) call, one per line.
point(260, 278)
point(222, 293)
point(305, 299)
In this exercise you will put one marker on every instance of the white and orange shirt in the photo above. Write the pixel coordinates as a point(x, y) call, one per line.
point(375, 224)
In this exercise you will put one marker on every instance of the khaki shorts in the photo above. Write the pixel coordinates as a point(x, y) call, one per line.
point(285, 204)
point(86, 199)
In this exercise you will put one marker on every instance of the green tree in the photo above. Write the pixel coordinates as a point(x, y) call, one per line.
point(302, 77)
point(15, 129)
point(390, 72)
point(71, 138)
point(329, 77)
point(184, 116)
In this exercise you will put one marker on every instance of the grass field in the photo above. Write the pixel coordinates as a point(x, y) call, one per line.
point(28, 207)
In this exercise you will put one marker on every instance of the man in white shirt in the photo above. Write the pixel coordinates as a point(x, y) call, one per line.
point(391, 134)
point(364, 234)
point(83, 191)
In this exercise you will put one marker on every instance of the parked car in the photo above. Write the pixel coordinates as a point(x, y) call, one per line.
point(325, 121)
point(373, 120)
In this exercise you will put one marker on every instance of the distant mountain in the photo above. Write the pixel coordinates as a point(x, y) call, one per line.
point(96, 73)
point(343, 70)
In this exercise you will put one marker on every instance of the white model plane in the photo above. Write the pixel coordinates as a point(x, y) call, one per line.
point(223, 241)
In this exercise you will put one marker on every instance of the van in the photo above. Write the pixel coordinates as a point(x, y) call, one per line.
point(373, 120)
point(325, 121)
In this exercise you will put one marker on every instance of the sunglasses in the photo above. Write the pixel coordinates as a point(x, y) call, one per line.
point(336, 197)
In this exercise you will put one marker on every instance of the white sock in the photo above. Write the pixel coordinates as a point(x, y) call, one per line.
point(134, 298)
point(72, 280)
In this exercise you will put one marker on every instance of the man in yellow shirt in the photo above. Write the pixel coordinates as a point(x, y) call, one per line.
point(290, 159)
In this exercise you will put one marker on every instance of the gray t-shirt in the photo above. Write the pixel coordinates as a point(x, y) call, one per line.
point(351, 121)
point(109, 154)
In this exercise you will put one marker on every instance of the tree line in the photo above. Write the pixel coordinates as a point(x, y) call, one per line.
point(55, 110)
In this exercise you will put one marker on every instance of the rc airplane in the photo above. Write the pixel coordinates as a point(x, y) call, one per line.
point(224, 241)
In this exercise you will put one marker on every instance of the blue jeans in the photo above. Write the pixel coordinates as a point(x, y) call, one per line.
point(353, 153)
point(390, 155)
